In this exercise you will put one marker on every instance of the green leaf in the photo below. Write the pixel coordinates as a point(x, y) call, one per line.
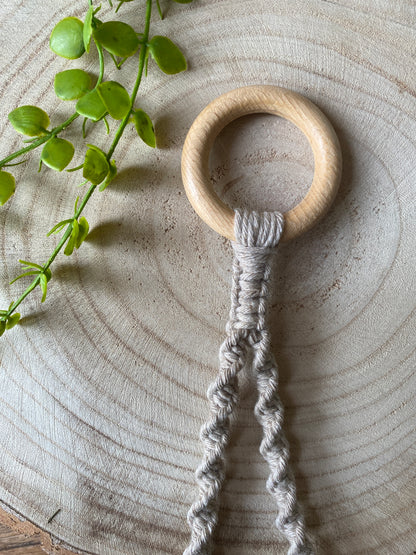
point(96, 148)
point(111, 175)
point(31, 265)
point(43, 282)
point(167, 55)
point(144, 127)
point(88, 29)
point(57, 153)
point(118, 38)
point(67, 38)
point(58, 227)
point(72, 84)
point(115, 98)
point(76, 203)
point(2, 327)
point(83, 229)
point(69, 248)
point(96, 166)
point(31, 273)
point(75, 229)
point(29, 120)
point(12, 320)
point(91, 106)
point(7, 186)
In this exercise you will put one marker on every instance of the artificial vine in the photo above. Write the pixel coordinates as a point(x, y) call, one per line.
point(71, 38)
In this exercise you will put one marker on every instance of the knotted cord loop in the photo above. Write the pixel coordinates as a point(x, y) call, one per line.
point(257, 235)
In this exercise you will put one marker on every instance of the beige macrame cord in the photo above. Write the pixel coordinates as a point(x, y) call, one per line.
point(257, 235)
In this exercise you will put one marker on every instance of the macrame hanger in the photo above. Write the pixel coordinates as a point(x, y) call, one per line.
point(255, 237)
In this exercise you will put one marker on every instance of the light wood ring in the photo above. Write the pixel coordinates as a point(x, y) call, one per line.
point(261, 99)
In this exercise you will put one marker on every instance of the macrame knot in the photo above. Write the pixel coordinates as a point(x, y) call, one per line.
point(258, 229)
point(257, 235)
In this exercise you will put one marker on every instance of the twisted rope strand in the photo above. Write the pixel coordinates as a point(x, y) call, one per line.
point(223, 397)
point(257, 235)
point(275, 450)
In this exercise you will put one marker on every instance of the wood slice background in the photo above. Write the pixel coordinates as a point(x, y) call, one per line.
point(103, 386)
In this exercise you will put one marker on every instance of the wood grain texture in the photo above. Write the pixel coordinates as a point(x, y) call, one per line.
point(102, 389)
point(19, 537)
point(260, 99)
point(19, 544)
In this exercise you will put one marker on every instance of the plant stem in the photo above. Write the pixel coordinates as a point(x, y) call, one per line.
point(142, 62)
point(118, 135)
point(39, 141)
point(56, 130)
point(54, 254)
point(59, 128)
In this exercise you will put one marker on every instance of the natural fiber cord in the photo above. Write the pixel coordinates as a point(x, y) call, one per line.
point(257, 235)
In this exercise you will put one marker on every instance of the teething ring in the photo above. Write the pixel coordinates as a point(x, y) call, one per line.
point(261, 99)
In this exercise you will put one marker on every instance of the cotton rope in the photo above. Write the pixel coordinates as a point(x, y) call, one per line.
point(248, 342)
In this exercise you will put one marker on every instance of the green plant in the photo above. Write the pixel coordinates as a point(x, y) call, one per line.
point(71, 38)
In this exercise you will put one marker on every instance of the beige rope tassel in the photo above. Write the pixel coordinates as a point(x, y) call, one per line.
point(257, 235)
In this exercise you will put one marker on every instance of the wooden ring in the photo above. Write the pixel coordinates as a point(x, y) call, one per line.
point(261, 99)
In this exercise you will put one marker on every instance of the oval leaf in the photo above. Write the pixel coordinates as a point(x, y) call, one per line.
point(43, 282)
point(87, 30)
point(7, 186)
point(96, 166)
point(144, 127)
point(67, 38)
point(72, 84)
point(118, 38)
point(83, 229)
point(91, 106)
point(111, 175)
point(69, 247)
point(57, 153)
point(12, 320)
point(115, 98)
point(29, 120)
point(167, 55)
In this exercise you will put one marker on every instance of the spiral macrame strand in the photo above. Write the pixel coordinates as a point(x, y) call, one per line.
point(257, 235)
